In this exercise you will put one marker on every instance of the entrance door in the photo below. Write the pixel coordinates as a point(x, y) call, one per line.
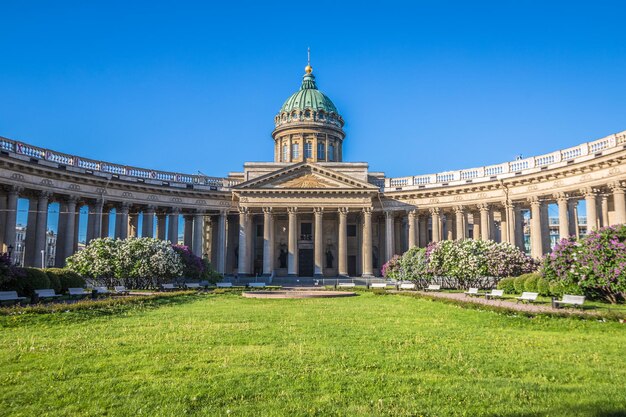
point(305, 262)
point(352, 265)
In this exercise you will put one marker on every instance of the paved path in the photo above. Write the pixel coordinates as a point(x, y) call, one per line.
point(511, 305)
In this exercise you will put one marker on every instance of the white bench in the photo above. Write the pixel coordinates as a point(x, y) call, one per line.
point(472, 292)
point(378, 285)
point(528, 296)
point(120, 289)
point(78, 292)
point(346, 285)
point(256, 285)
point(101, 290)
point(10, 296)
point(192, 286)
point(168, 287)
point(572, 300)
point(494, 294)
point(433, 287)
point(407, 286)
point(44, 294)
point(224, 285)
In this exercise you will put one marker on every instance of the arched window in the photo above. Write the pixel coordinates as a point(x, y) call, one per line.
point(285, 153)
point(331, 152)
point(321, 151)
point(308, 150)
point(295, 150)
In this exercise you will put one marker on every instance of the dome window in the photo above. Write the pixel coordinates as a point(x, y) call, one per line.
point(331, 152)
point(321, 151)
point(308, 150)
point(307, 114)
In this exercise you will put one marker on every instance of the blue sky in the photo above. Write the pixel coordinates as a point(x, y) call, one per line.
point(423, 86)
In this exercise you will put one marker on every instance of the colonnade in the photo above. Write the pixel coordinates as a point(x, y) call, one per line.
point(99, 218)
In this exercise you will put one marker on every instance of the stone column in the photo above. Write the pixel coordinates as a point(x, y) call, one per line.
point(423, 232)
point(11, 219)
point(562, 201)
point(604, 204)
point(3, 219)
point(318, 214)
point(397, 236)
point(161, 223)
point(619, 202)
point(292, 255)
point(389, 237)
point(147, 227)
point(59, 258)
point(133, 225)
point(573, 217)
point(412, 228)
point(198, 232)
point(485, 233)
point(476, 233)
point(268, 241)
point(242, 259)
point(592, 208)
point(104, 225)
point(342, 239)
point(511, 219)
point(172, 234)
point(30, 257)
point(518, 227)
point(435, 223)
point(367, 242)
point(545, 228)
point(188, 232)
point(42, 226)
point(536, 235)
point(121, 221)
point(504, 223)
point(70, 229)
point(221, 242)
point(92, 221)
point(459, 212)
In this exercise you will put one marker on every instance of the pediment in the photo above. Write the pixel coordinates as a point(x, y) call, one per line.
point(306, 176)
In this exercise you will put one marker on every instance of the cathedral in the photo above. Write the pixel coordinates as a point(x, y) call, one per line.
point(308, 213)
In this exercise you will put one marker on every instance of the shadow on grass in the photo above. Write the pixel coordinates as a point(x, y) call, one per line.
point(79, 312)
point(590, 410)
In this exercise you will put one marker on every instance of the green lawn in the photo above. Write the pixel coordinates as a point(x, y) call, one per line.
point(365, 355)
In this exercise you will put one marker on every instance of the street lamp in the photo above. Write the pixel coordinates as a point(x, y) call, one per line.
point(42, 259)
point(10, 248)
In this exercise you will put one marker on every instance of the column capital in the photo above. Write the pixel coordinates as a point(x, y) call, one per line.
point(434, 211)
point(534, 200)
point(71, 199)
point(412, 213)
point(343, 211)
point(367, 211)
point(292, 210)
point(174, 210)
point(617, 186)
point(389, 213)
point(589, 191)
point(484, 206)
point(199, 212)
point(267, 210)
point(459, 209)
point(15, 189)
point(243, 210)
point(318, 211)
point(150, 209)
point(44, 195)
point(124, 207)
point(560, 197)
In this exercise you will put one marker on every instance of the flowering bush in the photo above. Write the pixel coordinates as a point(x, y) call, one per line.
point(595, 264)
point(195, 267)
point(468, 261)
point(413, 266)
point(391, 269)
point(140, 262)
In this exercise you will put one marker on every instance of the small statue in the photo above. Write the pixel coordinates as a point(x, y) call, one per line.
point(282, 258)
point(329, 259)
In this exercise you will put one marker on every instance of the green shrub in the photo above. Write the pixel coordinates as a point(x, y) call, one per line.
point(32, 279)
point(543, 287)
point(519, 283)
point(507, 284)
point(531, 283)
point(53, 276)
point(557, 289)
point(62, 278)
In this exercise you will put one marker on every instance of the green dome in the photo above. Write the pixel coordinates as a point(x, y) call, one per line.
point(309, 98)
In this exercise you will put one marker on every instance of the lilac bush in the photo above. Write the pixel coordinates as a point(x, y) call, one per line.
point(596, 264)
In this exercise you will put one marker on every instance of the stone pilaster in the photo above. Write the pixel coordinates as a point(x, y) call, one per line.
point(268, 241)
point(459, 212)
point(423, 232)
point(70, 229)
point(536, 235)
point(413, 235)
point(367, 243)
point(172, 234)
point(318, 215)
point(591, 202)
point(342, 240)
point(161, 223)
point(485, 232)
point(197, 233)
point(188, 230)
point(435, 223)
point(292, 254)
point(604, 209)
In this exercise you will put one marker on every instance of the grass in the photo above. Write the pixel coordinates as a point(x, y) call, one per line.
point(217, 354)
